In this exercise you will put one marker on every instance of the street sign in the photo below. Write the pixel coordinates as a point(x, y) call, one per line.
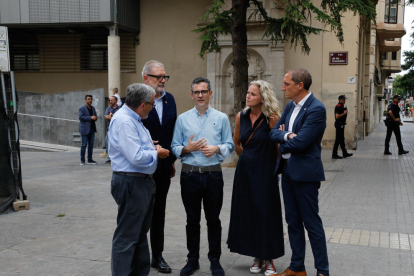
point(338, 58)
point(4, 50)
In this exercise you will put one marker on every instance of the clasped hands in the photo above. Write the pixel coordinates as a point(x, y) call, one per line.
point(201, 145)
point(291, 135)
point(162, 153)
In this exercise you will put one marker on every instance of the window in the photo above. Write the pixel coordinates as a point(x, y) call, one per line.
point(394, 56)
point(24, 52)
point(390, 39)
point(384, 56)
point(391, 11)
point(94, 52)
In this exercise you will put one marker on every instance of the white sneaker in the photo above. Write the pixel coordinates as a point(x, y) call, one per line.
point(270, 268)
point(257, 266)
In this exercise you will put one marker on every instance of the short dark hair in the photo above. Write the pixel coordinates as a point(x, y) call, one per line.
point(88, 96)
point(301, 75)
point(200, 80)
point(114, 98)
point(137, 94)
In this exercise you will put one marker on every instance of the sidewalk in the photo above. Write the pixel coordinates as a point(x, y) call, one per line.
point(366, 204)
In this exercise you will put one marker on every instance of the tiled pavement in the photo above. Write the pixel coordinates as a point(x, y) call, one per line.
point(366, 203)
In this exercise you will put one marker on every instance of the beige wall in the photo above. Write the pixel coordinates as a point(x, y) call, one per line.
point(330, 81)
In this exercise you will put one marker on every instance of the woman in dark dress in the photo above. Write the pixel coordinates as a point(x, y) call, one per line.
point(256, 227)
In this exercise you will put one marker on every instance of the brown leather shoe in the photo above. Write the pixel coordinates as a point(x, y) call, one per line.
point(289, 272)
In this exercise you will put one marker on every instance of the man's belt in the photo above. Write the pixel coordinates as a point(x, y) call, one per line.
point(207, 169)
point(140, 175)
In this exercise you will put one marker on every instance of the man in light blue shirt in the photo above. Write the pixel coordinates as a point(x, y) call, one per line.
point(134, 159)
point(202, 140)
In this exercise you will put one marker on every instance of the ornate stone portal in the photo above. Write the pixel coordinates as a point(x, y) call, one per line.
point(266, 62)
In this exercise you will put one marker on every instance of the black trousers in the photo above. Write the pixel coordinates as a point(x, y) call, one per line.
point(162, 180)
point(393, 127)
point(135, 198)
point(339, 140)
point(206, 188)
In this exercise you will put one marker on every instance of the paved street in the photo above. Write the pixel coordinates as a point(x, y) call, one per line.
point(366, 204)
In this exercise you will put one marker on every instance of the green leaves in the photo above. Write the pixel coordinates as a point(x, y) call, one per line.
point(294, 27)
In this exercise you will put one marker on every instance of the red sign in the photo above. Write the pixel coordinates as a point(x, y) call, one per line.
point(338, 58)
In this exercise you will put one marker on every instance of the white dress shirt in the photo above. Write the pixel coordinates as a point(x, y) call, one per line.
point(159, 106)
point(295, 113)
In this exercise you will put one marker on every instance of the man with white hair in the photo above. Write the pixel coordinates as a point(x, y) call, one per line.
point(160, 123)
point(133, 160)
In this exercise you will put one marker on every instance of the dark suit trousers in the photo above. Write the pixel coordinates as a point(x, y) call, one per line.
point(162, 180)
point(393, 127)
point(301, 209)
point(135, 199)
point(339, 140)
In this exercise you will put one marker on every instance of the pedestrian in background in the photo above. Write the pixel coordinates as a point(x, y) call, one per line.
point(118, 98)
point(133, 160)
point(160, 123)
point(256, 226)
point(393, 123)
point(87, 129)
point(341, 112)
point(202, 140)
point(109, 113)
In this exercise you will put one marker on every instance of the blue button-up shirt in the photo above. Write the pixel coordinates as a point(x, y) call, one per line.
point(159, 106)
point(130, 144)
point(214, 126)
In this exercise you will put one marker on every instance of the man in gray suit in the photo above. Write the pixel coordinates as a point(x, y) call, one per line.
point(87, 128)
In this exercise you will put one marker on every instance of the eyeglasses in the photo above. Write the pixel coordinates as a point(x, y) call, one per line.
point(159, 78)
point(203, 92)
point(153, 104)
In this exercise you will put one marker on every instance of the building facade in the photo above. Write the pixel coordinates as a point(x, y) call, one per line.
point(59, 46)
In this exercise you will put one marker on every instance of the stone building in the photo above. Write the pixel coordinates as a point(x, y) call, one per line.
point(73, 45)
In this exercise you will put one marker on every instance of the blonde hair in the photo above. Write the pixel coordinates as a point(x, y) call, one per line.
point(270, 105)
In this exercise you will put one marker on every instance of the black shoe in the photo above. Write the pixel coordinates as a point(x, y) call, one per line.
point(190, 268)
point(348, 155)
point(403, 152)
point(387, 153)
point(92, 162)
point(337, 157)
point(216, 268)
point(108, 162)
point(159, 263)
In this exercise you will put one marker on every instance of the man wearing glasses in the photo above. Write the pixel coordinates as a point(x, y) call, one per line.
point(160, 123)
point(202, 140)
point(133, 161)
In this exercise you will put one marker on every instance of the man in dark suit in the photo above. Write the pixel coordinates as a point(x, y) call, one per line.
point(299, 133)
point(87, 128)
point(160, 123)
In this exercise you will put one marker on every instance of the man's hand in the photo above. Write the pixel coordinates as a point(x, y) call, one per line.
point(282, 127)
point(154, 142)
point(397, 120)
point(162, 153)
point(197, 145)
point(209, 151)
point(291, 136)
point(346, 111)
point(173, 170)
point(94, 118)
point(401, 123)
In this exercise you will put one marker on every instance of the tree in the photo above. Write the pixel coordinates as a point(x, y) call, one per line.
point(294, 28)
point(397, 89)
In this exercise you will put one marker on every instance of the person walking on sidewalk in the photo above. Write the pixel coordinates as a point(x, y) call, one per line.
point(256, 209)
point(109, 113)
point(133, 160)
point(393, 123)
point(202, 140)
point(160, 123)
point(299, 133)
point(87, 128)
point(341, 112)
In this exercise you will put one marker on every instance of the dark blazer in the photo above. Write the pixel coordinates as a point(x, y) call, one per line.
point(163, 133)
point(85, 119)
point(304, 164)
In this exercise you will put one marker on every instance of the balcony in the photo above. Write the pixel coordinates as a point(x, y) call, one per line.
point(390, 46)
point(390, 20)
point(390, 66)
